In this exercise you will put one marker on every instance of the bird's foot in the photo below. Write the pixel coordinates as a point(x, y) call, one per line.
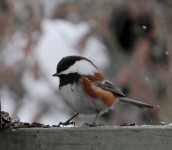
point(92, 125)
point(66, 123)
point(128, 124)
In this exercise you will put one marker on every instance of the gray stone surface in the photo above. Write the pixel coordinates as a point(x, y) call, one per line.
point(88, 138)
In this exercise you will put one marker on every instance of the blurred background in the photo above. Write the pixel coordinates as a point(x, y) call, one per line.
point(128, 40)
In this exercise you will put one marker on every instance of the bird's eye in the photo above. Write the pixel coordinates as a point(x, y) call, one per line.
point(67, 66)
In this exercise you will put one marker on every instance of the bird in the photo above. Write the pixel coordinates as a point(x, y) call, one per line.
point(86, 90)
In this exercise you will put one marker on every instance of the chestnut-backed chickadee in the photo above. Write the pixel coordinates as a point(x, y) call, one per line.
point(86, 90)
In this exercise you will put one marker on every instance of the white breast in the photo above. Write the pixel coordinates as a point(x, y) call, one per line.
point(74, 97)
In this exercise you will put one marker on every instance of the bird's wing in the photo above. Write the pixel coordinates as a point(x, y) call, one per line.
point(108, 86)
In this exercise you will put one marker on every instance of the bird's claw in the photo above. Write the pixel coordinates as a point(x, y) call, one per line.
point(66, 123)
point(92, 125)
point(128, 124)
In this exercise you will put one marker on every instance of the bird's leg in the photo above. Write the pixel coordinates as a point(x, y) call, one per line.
point(68, 122)
point(93, 124)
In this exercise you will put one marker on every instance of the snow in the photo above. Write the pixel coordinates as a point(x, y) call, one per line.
point(144, 27)
point(166, 52)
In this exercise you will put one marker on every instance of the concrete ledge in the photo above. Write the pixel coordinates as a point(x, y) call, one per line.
point(88, 138)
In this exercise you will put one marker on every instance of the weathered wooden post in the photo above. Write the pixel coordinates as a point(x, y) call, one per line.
point(88, 138)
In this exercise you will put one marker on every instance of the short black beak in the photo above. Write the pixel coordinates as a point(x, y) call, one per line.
point(56, 74)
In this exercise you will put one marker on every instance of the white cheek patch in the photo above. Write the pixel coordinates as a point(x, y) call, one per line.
point(82, 67)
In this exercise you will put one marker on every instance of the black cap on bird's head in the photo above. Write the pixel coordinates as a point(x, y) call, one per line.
point(75, 64)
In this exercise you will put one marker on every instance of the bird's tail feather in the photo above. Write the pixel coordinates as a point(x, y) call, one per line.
point(135, 102)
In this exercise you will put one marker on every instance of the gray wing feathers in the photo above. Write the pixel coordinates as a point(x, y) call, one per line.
point(108, 86)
